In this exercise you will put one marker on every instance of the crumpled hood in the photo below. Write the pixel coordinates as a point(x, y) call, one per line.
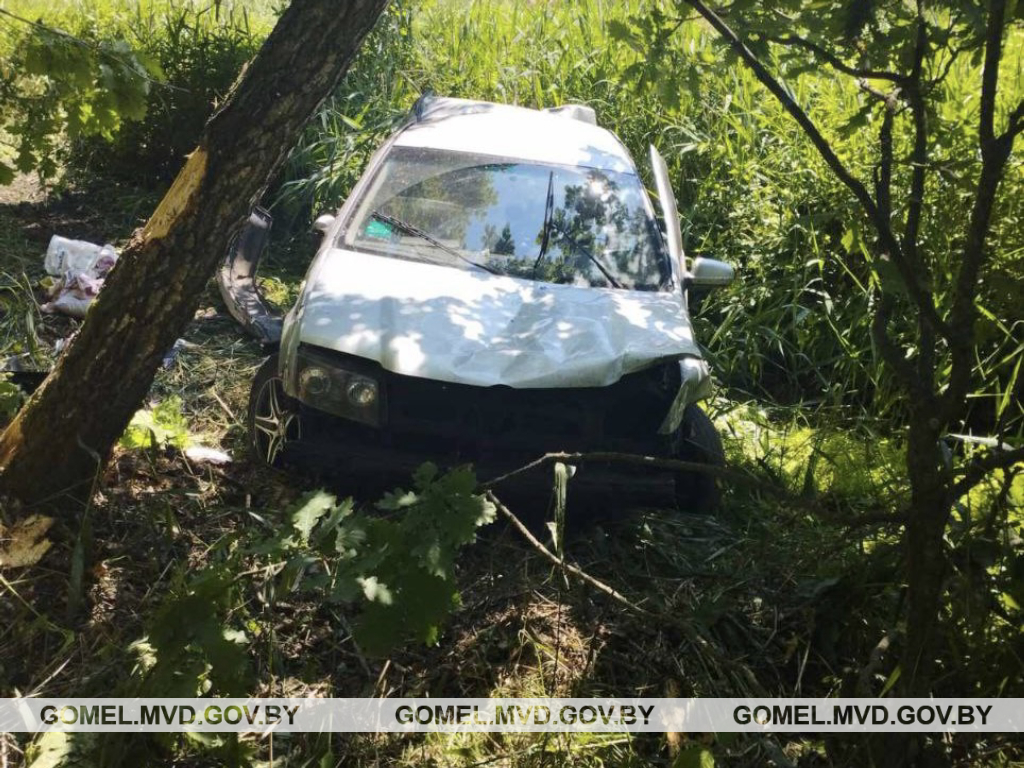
point(471, 327)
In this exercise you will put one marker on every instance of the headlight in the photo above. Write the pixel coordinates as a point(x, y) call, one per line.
point(362, 393)
point(327, 385)
point(314, 382)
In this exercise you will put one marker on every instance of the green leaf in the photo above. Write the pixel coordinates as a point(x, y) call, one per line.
point(56, 749)
point(375, 591)
point(397, 500)
point(11, 396)
point(860, 119)
point(152, 65)
point(417, 612)
point(891, 681)
point(617, 30)
point(162, 424)
point(324, 539)
point(311, 508)
point(888, 276)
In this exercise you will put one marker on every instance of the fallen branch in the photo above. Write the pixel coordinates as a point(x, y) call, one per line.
point(654, 462)
point(666, 618)
point(636, 459)
point(568, 567)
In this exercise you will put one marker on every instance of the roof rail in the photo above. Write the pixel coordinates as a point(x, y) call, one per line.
point(580, 112)
point(430, 106)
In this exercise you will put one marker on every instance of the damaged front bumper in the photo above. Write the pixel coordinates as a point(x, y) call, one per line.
point(497, 428)
point(694, 386)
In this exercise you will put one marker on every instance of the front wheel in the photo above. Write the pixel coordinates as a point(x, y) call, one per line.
point(698, 441)
point(273, 418)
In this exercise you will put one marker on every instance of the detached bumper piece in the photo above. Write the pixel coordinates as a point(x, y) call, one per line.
point(237, 281)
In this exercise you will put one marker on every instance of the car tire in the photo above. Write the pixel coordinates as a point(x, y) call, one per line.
point(697, 440)
point(273, 417)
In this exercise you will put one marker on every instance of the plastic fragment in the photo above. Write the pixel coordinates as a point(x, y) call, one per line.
point(201, 454)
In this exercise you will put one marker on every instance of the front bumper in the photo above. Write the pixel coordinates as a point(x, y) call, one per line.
point(351, 453)
point(494, 428)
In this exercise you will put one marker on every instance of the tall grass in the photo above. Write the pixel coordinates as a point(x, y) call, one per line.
point(751, 188)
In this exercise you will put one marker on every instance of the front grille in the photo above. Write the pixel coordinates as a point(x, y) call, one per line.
point(621, 415)
point(457, 419)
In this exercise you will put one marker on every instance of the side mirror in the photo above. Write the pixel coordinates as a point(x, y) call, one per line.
point(324, 222)
point(710, 273)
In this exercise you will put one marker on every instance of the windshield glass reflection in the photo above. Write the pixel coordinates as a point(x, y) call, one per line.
point(577, 226)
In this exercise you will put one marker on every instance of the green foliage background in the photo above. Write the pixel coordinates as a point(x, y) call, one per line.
point(751, 188)
point(807, 402)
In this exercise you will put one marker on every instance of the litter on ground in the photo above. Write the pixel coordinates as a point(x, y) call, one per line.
point(80, 269)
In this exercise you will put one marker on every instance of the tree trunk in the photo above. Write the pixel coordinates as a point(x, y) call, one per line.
point(62, 438)
point(930, 508)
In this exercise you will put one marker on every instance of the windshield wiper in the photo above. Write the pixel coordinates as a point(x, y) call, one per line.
point(409, 229)
point(549, 210)
point(592, 257)
point(545, 238)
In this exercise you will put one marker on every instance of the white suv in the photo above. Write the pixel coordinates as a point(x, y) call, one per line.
point(496, 287)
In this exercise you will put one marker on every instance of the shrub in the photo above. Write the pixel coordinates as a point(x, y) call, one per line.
point(201, 51)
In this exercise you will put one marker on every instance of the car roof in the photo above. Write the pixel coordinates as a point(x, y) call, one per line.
point(563, 136)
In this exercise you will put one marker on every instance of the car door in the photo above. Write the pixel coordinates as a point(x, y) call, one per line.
point(669, 211)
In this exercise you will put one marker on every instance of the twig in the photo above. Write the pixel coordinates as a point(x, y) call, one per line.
point(1016, 121)
point(995, 152)
point(223, 405)
point(652, 462)
point(835, 61)
point(978, 469)
point(1000, 502)
point(378, 688)
point(38, 688)
point(568, 567)
point(88, 45)
point(889, 244)
point(355, 647)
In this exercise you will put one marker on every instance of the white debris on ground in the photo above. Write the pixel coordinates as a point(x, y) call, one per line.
point(200, 454)
point(80, 269)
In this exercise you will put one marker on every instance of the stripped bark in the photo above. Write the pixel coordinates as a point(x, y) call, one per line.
point(63, 436)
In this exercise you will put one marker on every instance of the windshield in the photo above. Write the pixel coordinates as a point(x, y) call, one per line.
point(569, 225)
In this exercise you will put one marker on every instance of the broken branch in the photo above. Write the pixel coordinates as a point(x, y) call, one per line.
point(568, 567)
point(636, 459)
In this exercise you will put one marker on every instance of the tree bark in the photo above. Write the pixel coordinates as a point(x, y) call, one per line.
point(62, 438)
point(930, 508)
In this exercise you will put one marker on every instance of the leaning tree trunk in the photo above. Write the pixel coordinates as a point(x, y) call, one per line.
point(62, 438)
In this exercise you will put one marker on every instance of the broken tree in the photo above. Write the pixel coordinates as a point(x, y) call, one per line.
point(60, 441)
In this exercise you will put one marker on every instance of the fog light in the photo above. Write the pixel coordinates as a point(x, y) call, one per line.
point(362, 393)
point(314, 381)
